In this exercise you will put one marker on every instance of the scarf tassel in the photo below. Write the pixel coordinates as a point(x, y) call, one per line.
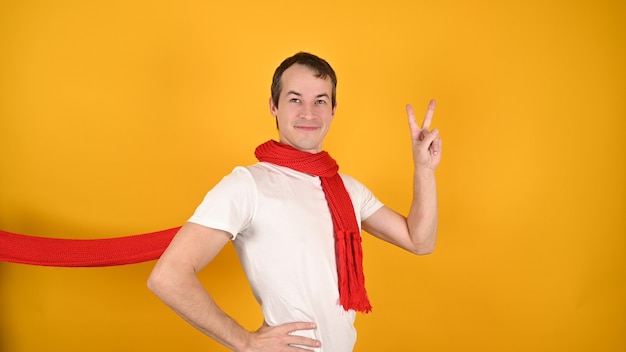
point(351, 279)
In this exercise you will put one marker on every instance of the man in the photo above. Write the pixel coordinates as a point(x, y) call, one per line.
point(294, 222)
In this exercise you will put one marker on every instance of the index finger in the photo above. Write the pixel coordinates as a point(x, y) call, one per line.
point(428, 118)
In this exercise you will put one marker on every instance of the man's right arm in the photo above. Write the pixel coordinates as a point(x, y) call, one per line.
point(174, 280)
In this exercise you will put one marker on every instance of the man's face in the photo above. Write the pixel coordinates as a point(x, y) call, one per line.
point(304, 110)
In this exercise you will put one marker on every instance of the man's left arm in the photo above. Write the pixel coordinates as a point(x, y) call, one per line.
point(416, 233)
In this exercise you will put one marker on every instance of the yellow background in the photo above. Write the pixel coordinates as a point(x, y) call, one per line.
point(117, 116)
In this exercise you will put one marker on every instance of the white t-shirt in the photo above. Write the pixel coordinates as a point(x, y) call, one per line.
point(283, 233)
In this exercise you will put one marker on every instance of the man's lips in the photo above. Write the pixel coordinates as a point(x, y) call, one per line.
point(307, 128)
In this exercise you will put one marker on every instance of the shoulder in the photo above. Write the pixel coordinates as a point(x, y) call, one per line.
point(267, 172)
point(351, 183)
point(239, 175)
point(356, 189)
point(255, 172)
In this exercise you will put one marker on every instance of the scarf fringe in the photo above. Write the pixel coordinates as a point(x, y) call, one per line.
point(352, 291)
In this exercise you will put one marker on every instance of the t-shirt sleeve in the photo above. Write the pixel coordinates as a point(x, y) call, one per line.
point(363, 199)
point(230, 205)
point(369, 203)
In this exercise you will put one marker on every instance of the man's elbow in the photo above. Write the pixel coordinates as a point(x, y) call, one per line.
point(156, 281)
point(424, 250)
point(425, 246)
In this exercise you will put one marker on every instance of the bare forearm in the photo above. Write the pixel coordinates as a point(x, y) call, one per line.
point(188, 298)
point(175, 282)
point(423, 215)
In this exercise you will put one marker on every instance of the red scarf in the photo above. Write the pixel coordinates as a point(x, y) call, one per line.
point(348, 250)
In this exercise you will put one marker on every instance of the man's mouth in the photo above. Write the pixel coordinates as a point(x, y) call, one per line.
point(307, 128)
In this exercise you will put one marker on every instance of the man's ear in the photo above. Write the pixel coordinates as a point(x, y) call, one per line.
point(273, 107)
point(334, 110)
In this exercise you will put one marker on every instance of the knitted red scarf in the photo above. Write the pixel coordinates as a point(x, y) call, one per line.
point(348, 250)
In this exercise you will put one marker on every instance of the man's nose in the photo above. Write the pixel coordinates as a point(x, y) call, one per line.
point(307, 111)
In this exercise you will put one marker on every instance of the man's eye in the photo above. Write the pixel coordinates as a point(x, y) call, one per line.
point(321, 101)
point(294, 100)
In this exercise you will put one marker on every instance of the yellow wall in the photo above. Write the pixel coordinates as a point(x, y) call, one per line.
point(116, 118)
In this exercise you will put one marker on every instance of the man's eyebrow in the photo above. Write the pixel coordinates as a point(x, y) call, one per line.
point(322, 95)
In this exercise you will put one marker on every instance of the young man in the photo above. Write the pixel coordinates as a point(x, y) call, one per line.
point(295, 223)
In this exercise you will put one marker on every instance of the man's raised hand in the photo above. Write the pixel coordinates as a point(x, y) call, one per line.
point(426, 144)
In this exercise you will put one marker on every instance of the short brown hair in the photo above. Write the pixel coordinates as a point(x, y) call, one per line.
point(320, 66)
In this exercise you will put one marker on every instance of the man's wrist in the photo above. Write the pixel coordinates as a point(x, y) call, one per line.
point(424, 172)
